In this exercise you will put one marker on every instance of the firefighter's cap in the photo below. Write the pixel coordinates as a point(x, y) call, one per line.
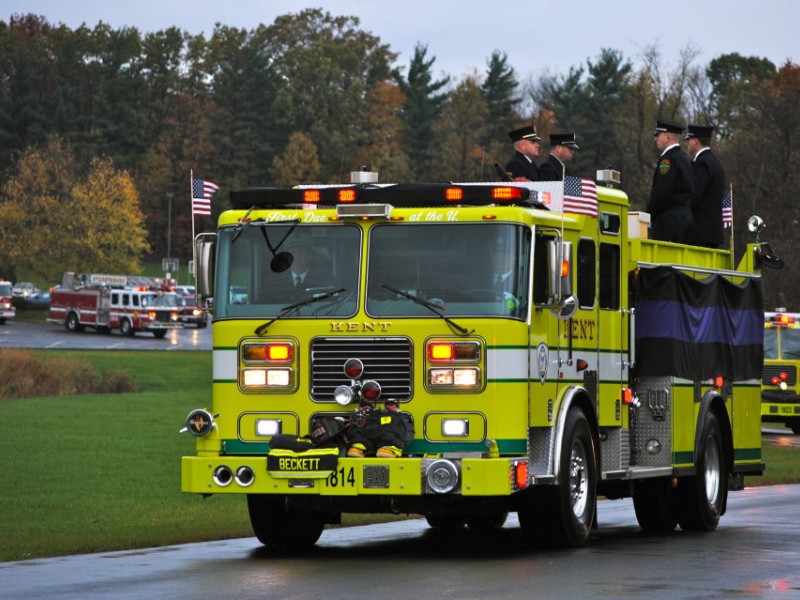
point(564, 139)
point(668, 126)
point(701, 132)
point(524, 133)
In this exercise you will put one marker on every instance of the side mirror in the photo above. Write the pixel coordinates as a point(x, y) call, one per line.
point(204, 249)
point(559, 256)
point(567, 309)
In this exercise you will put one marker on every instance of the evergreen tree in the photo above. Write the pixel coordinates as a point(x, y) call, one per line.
point(422, 108)
point(499, 91)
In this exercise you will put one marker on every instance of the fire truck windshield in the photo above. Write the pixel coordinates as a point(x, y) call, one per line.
point(274, 266)
point(469, 269)
point(782, 342)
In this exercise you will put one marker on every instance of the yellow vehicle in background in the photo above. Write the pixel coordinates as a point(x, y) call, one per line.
point(780, 390)
point(408, 370)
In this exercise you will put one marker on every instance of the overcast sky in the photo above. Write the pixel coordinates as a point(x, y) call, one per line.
point(537, 36)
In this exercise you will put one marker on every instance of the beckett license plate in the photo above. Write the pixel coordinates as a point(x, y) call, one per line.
point(308, 464)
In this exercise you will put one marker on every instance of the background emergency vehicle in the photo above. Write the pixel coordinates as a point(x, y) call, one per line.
point(107, 302)
point(7, 310)
point(780, 392)
point(607, 364)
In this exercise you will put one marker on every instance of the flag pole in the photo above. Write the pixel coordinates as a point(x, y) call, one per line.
point(733, 255)
point(191, 207)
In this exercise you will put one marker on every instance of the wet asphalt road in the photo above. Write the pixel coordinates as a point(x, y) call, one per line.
point(16, 334)
point(755, 553)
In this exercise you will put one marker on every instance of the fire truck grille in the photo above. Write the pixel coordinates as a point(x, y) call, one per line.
point(386, 360)
point(163, 316)
point(771, 371)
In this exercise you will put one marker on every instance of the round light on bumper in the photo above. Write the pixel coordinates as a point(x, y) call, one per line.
point(442, 476)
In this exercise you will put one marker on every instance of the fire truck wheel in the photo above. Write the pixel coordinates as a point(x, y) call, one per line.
point(160, 333)
point(654, 504)
point(702, 497)
point(279, 528)
point(73, 323)
point(794, 425)
point(445, 522)
point(126, 327)
point(562, 515)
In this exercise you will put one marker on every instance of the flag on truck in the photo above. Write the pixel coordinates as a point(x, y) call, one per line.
point(202, 190)
point(580, 196)
point(727, 209)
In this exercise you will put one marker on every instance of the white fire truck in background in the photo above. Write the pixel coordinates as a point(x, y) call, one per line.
point(107, 302)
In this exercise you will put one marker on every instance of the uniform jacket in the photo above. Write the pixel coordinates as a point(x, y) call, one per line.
point(520, 166)
point(709, 190)
point(551, 170)
point(673, 185)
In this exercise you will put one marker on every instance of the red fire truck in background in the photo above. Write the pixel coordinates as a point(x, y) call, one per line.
point(107, 302)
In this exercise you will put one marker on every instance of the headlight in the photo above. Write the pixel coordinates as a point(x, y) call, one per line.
point(343, 395)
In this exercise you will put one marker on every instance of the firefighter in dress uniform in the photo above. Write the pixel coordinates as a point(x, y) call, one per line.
point(562, 150)
point(526, 150)
point(709, 188)
point(670, 204)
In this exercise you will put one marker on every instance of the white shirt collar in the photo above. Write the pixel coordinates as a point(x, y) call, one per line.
point(670, 148)
point(699, 152)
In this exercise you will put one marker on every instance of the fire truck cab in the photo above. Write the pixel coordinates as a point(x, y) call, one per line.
point(538, 357)
point(780, 389)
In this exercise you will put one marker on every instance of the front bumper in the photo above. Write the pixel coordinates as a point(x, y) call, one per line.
point(352, 477)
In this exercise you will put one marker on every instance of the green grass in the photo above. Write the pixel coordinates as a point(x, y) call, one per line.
point(97, 473)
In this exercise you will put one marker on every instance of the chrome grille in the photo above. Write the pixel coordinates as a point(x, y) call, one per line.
point(386, 360)
point(771, 371)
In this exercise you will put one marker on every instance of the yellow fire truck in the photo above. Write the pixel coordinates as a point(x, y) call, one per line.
point(780, 391)
point(605, 363)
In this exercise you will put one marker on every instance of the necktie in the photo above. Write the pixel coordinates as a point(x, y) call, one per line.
point(297, 280)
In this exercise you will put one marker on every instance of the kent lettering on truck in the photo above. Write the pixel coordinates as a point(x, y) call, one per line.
point(463, 351)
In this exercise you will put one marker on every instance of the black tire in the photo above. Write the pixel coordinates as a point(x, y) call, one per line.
point(794, 425)
point(702, 497)
point(654, 504)
point(281, 529)
point(160, 333)
point(73, 323)
point(126, 328)
point(445, 522)
point(562, 515)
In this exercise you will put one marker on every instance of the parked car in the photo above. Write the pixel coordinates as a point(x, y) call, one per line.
point(189, 313)
point(39, 300)
point(24, 289)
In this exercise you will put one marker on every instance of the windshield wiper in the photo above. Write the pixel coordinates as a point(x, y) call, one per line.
point(434, 308)
point(287, 310)
point(243, 224)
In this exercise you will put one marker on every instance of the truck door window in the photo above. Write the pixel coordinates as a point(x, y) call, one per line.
point(586, 273)
point(609, 276)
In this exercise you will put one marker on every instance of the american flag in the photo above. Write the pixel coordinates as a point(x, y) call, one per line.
point(580, 196)
point(202, 190)
point(727, 209)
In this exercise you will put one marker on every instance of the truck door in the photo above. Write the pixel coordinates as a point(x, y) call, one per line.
point(104, 307)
